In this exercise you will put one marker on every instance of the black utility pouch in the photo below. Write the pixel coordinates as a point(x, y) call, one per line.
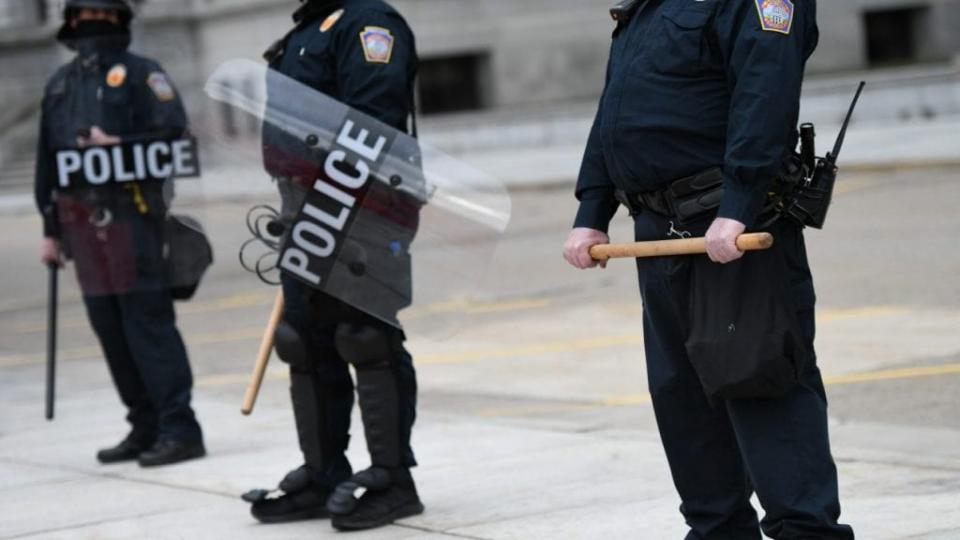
point(745, 340)
point(696, 196)
point(188, 254)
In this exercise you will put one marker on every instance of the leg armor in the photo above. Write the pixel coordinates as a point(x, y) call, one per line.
point(384, 389)
point(322, 397)
point(386, 385)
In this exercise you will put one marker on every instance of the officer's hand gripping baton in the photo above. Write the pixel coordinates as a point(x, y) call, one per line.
point(54, 269)
point(263, 356)
point(664, 248)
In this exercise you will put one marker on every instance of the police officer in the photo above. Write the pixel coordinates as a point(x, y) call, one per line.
point(694, 85)
point(362, 53)
point(114, 232)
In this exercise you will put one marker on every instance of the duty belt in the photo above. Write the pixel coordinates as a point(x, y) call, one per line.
point(653, 201)
point(684, 200)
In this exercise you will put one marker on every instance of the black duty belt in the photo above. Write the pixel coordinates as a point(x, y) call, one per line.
point(684, 200)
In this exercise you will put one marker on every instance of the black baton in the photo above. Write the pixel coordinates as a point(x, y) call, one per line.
point(51, 339)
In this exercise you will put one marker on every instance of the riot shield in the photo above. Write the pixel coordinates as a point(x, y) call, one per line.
point(122, 218)
point(384, 223)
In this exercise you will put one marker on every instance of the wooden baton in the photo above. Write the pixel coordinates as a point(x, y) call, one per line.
point(685, 246)
point(263, 356)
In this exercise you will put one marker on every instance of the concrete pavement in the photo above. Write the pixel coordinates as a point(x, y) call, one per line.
point(534, 420)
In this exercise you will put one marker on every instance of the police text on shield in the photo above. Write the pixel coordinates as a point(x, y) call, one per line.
point(128, 162)
point(331, 206)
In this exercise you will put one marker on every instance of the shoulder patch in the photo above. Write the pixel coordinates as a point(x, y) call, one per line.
point(331, 20)
point(377, 44)
point(116, 76)
point(158, 82)
point(775, 15)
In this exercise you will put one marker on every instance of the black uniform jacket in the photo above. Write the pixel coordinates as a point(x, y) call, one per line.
point(359, 52)
point(126, 95)
point(696, 84)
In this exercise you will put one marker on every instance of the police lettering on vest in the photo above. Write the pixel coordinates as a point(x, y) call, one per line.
point(128, 162)
point(335, 200)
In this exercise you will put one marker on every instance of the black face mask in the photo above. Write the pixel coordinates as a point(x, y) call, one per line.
point(95, 36)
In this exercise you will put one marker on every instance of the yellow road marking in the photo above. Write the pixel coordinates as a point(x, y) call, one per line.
point(228, 303)
point(561, 346)
point(32, 328)
point(893, 374)
point(831, 315)
point(453, 357)
point(241, 301)
point(78, 353)
point(254, 299)
point(277, 372)
point(515, 305)
point(237, 301)
point(627, 400)
point(242, 334)
point(21, 305)
point(81, 353)
point(633, 400)
point(222, 379)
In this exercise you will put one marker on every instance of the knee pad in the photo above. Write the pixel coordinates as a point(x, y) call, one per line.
point(363, 345)
point(290, 345)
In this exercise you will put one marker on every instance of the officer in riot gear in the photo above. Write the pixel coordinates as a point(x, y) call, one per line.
point(362, 53)
point(115, 232)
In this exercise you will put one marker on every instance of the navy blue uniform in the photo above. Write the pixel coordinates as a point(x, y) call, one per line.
point(361, 53)
point(694, 85)
point(114, 234)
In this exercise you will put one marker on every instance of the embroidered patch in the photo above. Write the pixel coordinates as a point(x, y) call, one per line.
point(331, 20)
point(377, 44)
point(161, 87)
point(775, 15)
point(116, 76)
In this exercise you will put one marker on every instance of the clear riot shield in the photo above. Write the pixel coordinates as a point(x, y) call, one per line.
point(127, 216)
point(382, 222)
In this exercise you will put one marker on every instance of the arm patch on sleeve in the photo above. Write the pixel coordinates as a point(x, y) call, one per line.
point(775, 15)
point(158, 82)
point(377, 44)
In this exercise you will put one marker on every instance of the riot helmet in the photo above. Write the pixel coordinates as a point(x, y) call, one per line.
point(121, 6)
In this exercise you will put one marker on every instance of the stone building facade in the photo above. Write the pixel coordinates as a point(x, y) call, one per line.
point(477, 54)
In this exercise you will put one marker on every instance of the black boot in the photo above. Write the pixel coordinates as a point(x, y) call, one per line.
point(169, 451)
point(390, 495)
point(297, 499)
point(128, 449)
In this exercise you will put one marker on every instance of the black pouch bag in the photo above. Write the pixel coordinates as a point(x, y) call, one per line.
point(188, 254)
point(745, 340)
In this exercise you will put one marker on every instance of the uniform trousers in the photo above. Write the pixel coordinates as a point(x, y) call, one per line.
point(122, 273)
point(720, 453)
